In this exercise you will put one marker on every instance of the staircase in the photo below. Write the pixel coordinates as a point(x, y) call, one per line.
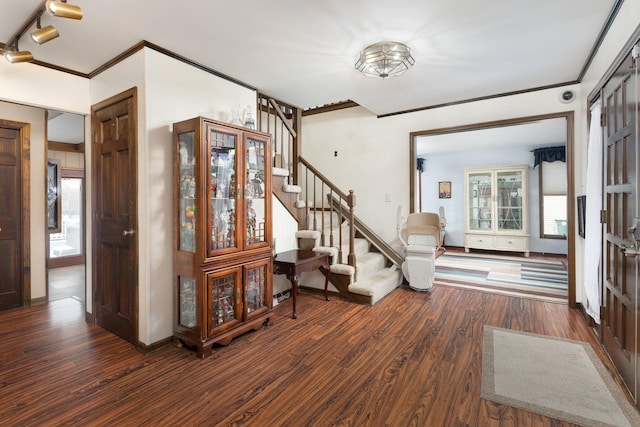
point(364, 268)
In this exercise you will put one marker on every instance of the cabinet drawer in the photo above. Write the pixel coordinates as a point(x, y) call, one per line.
point(511, 243)
point(479, 241)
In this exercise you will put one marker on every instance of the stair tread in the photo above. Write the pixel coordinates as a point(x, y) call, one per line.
point(279, 171)
point(377, 285)
point(287, 188)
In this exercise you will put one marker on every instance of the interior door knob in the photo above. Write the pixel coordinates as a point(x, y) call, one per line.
point(129, 232)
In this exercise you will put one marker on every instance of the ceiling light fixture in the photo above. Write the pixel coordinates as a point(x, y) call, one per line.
point(40, 35)
point(384, 59)
point(15, 56)
point(63, 10)
point(44, 34)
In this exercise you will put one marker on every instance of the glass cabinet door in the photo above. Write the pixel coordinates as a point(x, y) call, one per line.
point(509, 194)
point(480, 201)
point(255, 291)
point(222, 189)
point(187, 191)
point(254, 191)
point(187, 302)
point(224, 303)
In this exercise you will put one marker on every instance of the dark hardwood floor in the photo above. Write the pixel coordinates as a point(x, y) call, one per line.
point(413, 359)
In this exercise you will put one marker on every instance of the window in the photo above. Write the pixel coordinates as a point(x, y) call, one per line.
point(553, 199)
point(69, 241)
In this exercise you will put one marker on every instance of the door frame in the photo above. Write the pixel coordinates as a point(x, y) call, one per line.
point(571, 197)
point(24, 130)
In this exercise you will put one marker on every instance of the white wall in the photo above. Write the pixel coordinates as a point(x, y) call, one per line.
point(37, 86)
point(284, 233)
point(450, 167)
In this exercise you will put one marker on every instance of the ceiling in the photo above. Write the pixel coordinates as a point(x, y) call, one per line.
point(65, 127)
point(303, 53)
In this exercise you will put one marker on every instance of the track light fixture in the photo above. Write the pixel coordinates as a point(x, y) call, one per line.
point(40, 35)
point(15, 56)
point(62, 9)
point(44, 34)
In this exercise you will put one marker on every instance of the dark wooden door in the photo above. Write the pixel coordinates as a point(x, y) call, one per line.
point(10, 219)
point(115, 254)
point(619, 295)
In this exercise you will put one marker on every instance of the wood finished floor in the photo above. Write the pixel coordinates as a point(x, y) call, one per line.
point(413, 359)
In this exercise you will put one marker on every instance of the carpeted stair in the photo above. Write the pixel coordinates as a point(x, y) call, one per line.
point(374, 276)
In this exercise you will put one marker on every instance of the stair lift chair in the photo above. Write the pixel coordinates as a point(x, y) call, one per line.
point(424, 236)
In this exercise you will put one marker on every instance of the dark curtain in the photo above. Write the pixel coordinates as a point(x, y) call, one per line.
point(420, 164)
point(549, 154)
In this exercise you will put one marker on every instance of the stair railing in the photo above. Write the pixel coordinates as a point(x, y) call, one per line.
point(282, 121)
point(315, 186)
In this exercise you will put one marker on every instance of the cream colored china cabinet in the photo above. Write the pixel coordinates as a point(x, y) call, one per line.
point(496, 209)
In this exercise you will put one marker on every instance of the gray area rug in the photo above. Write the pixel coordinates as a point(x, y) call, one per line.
point(555, 377)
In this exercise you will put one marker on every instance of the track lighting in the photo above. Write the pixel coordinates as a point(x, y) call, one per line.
point(16, 56)
point(61, 9)
point(43, 35)
point(40, 35)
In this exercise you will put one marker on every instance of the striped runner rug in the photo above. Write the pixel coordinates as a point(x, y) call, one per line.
point(544, 279)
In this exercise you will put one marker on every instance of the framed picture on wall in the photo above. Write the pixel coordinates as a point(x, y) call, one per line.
point(444, 190)
point(54, 204)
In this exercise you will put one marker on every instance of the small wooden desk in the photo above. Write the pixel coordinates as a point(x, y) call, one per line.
point(295, 262)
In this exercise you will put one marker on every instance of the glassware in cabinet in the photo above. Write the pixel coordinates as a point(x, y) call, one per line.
point(187, 302)
point(509, 203)
point(255, 288)
point(254, 191)
point(187, 190)
point(222, 188)
point(222, 294)
point(480, 201)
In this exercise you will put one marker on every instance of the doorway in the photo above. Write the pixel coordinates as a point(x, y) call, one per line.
point(66, 211)
point(416, 194)
point(66, 264)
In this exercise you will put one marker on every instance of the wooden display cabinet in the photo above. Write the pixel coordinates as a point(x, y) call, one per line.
point(222, 232)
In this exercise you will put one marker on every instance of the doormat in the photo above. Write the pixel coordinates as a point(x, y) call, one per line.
point(555, 377)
